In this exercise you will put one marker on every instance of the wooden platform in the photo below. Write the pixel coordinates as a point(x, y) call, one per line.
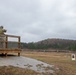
point(6, 51)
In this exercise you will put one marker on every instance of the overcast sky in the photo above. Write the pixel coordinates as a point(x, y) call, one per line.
point(36, 20)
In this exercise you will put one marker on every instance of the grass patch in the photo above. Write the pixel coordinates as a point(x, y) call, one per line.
point(10, 70)
point(61, 60)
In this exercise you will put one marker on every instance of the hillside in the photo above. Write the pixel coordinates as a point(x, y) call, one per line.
point(47, 44)
point(51, 43)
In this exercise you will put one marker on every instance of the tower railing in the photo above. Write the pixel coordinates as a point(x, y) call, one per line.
point(4, 42)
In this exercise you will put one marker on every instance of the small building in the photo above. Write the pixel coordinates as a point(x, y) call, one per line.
point(5, 43)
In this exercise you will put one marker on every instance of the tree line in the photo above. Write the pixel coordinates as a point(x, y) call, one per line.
point(51, 43)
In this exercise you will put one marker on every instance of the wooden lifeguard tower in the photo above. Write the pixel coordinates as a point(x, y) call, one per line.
point(4, 43)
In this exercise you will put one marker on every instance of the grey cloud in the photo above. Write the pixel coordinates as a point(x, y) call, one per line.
point(35, 20)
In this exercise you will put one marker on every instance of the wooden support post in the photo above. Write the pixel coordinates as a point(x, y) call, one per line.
point(5, 54)
point(2, 54)
point(18, 54)
point(6, 41)
point(18, 42)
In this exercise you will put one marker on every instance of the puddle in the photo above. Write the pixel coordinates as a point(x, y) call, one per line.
point(25, 62)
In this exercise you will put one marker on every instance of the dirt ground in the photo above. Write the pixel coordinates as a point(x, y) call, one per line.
point(61, 60)
point(10, 70)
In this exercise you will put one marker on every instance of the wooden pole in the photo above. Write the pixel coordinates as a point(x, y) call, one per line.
point(5, 54)
point(6, 45)
point(18, 54)
point(18, 42)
